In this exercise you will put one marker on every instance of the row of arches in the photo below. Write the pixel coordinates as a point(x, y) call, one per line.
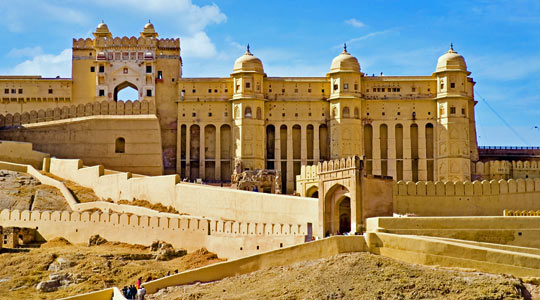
point(248, 114)
point(284, 149)
point(206, 152)
point(383, 145)
point(346, 113)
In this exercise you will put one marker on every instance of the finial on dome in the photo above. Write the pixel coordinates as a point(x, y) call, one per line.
point(247, 50)
point(451, 50)
point(344, 47)
point(149, 21)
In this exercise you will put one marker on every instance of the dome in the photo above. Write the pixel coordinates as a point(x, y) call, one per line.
point(344, 62)
point(149, 30)
point(102, 28)
point(248, 63)
point(451, 61)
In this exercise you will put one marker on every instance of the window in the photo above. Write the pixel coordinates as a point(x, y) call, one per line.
point(452, 110)
point(345, 112)
point(398, 90)
point(193, 91)
point(159, 75)
point(210, 91)
point(247, 113)
point(283, 91)
point(92, 69)
point(125, 70)
point(248, 85)
point(442, 86)
point(209, 114)
point(6, 91)
point(101, 93)
point(226, 90)
point(50, 91)
point(296, 90)
point(194, 114)
point(13, 91)
point(345, 86)
point(215, 91)
point(452, 85)
point(322, 91)
point(20, 91)
point(269, 90)
point(101, 69)
point(374, 90)
point(309, 90)
point(148, 69)
point(383, 90)
point(356, 86)
point(463, 111)
point(413, 90)
point(335, 87)
point(120, 145)
point(149, 93)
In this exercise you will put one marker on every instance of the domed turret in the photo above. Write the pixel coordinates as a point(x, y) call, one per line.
point(344, 62)
point(149, 30)
point(248, 63)
point(102, 30)
point(451, 61)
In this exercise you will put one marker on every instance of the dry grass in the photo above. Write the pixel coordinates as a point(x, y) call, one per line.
point(82, 194)
point(110, 264)
point(155, 206)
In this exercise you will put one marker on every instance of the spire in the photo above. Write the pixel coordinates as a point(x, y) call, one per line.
point(451, 50)
point(247, 51)
point(345, 47)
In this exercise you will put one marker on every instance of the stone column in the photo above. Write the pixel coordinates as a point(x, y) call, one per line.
point(188, 154)
point(422, 162)
point(217, 171)
point(316, 149)
point(303, 144)
point(376, 151)
point(392, 150)
point(202, 152)
point(407, 163)
point(290, 166)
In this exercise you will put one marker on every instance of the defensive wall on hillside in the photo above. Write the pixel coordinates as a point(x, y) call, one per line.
point(192, 199)
point(229, 239)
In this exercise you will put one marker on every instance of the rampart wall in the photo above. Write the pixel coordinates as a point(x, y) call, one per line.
point(19, 152)
point(193, 199)
point(478, 198)
point(82, 110)
point(94, 139)
point(227, 238)
point(503, 169)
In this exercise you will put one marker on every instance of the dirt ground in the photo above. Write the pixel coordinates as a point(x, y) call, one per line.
point(88, 268)
point(24, 192)
point(82, 194)
point(355, 276)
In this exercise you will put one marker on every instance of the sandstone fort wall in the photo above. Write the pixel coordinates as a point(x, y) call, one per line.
point(466, 198)
point(193, 199)
point(22, 153)
point(95, 139)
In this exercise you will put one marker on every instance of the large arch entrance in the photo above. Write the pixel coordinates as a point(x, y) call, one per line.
point(130, 91)
point(337, 211)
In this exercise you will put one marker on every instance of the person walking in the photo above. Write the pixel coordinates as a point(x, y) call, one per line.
point(141, 293)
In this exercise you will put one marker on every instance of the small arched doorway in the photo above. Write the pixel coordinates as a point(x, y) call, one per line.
point(345, 215)
point(126, 91)
point(337, 214)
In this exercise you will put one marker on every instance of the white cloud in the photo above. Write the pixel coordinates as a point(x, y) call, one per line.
point(25, 52)
point(367, 36)
point(198, 46)
point(355, 23)
point(191, 18)
point(47, 65)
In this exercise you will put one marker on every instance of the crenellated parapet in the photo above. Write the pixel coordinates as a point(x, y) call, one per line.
point(503, 169)
point(337, 164)
point(143, 107)
point(466, 188)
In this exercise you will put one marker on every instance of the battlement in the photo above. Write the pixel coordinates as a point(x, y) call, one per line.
point(466, 188)
point(137, 107)
point(126, 42)
point(503, 169)
point(336, 164)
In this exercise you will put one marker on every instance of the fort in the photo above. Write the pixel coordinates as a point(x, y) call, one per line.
point(279, 161)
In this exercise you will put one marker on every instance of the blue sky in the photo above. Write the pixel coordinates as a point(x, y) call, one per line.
point(500, 41)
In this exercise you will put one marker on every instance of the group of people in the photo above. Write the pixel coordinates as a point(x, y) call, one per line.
point(136, 291)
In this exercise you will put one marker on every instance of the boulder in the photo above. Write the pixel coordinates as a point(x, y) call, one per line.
point(60, 264)
point(48, 286)
point(96, 240)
